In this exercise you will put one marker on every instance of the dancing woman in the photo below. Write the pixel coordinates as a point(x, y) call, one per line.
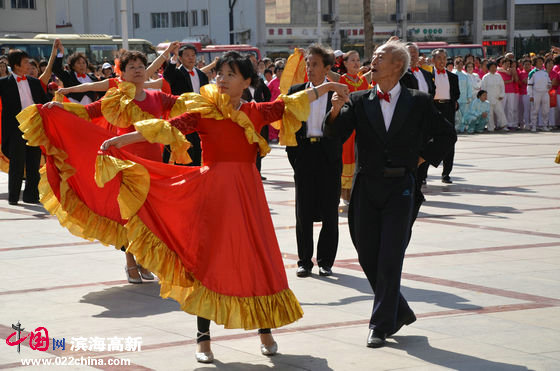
point(207, 232)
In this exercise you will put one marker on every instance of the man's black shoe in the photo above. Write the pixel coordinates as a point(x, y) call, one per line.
point(446, 180)
point(411, 318)
point(375, 339)
point(13, 203)
point(32, 201)
point(303, 272)
point(325, 271)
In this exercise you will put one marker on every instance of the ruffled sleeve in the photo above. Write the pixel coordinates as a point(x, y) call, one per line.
point(161, 131)
point(296, 110)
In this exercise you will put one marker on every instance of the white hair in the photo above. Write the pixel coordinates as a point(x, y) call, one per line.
point(400, 52)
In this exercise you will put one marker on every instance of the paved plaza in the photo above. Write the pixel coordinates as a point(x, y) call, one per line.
point(482, 273)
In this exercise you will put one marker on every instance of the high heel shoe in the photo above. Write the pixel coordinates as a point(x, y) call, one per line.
point(269, 350)
point(147, 276)
point(131, 279)
point(204, 357)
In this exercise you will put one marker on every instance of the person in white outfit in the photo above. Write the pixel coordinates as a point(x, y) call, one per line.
point(465, 87)
point(537, 88)
point(476, 81)
point(494, 85)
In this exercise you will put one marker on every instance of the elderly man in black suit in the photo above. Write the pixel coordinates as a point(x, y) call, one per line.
point(18, 91)
point(186, 79)
point(317, 164)
point(396, 128)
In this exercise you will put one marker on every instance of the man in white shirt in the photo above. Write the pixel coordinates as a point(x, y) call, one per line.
point(396, 128)
point(17, 92)
point(317, 164)
point(537, 89)
point(493, 83)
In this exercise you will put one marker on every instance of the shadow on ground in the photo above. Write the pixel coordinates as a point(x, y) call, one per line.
point(279, 362)
point(131, 301)
point(419, 347)
point(440, 298)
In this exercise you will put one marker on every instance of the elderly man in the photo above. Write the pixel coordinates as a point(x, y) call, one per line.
point(396, 128)
point(416, 77)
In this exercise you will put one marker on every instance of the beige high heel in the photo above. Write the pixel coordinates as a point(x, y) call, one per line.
point(204, 357)
point(130, 279)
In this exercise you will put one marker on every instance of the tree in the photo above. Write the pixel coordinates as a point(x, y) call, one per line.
point(231, 34)
point(368, 30)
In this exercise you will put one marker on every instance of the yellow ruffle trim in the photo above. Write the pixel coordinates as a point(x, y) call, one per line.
point(211, 104)
point(135, 182)
point(71, 212)
point(4, 163)
point(296, 110)
point(77, 109)
point(557, 160)
point(249, 313)
point(347, 175)
point(294, 72)
point(160, 131)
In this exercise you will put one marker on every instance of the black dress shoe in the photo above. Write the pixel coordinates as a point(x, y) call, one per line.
point(13, 203)
point(303, 272)
point(263, 177)
point(325, 272)
point(411, 318)
point(446, 180)
point(375, 339)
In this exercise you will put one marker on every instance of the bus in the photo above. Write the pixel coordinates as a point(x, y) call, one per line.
point(98, 48)
point(209, 52)
point(453, 50)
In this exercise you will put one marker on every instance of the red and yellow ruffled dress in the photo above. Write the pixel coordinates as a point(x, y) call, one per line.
point(205, 231)
point(348, 155)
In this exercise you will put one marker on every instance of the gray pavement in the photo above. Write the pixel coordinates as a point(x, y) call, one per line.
point(482, 273)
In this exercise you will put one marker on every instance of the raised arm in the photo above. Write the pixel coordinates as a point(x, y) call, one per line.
point(46, 75)
point(156, 64)
point(314, 93)
point(123, 140)
point(206, 69)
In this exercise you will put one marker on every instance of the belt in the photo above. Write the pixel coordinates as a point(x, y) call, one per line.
point(441, 101)
point(394, 172)
point(314, 139)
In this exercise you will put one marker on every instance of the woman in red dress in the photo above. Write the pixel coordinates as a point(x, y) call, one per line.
point(205, 231)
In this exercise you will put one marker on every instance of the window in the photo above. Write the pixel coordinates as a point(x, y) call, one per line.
point(160, 20)
point(179, 19)
point(22, 4)
point(136, 20)
point(194, 16)
point(205, 17)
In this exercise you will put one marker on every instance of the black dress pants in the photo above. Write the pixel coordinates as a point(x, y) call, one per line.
point(448, 111)
point(23, 157)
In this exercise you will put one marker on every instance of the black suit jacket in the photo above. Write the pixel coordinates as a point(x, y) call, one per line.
point(11, 106)
point(411, 82)
point(417, 129)
point(331, 146)
point(179, 79)
point(69, 79)
point(454, 92)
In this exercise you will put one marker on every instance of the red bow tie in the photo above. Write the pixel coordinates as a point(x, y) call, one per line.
point(23, 78)
point(191, 73)
point(385, 96)
point(82, 75)
point(415, 69)
point(440, 72)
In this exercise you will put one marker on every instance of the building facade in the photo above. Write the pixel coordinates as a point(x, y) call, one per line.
point(26, 18)
point(159, 21)
point(500, 25)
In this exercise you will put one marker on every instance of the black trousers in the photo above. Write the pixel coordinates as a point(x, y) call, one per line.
point(317, 197)
point(23, 157)
point(195, 152)
point(448, 111)
point(379, 219)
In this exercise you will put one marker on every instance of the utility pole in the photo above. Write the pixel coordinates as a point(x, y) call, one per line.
point(124, 25)
point(319, 21)
point(368, 30)
point(335, 44)
point(231, 34)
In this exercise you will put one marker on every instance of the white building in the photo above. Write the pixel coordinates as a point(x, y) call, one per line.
point(160, 21)
point(26, 18)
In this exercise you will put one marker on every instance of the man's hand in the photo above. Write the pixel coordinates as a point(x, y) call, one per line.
point(484, 114)
point(530, 99)
point(173, 48)
point(338, 102)
point(420, 160)
point(340, 89)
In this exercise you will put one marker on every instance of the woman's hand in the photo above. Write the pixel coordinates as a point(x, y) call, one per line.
point(53, 104)
point(64, 91)
point(338, 102)
point(113, 142)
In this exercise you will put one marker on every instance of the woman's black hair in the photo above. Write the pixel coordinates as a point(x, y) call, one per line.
point(243, 64)
point(479, 94)
point(491, 63)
